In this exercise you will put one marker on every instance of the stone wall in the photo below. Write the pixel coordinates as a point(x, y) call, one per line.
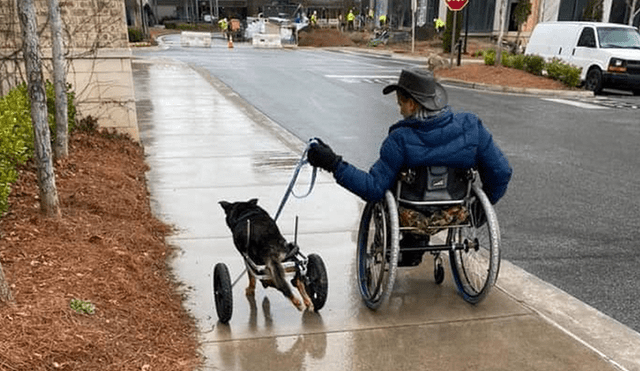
point(98, 57)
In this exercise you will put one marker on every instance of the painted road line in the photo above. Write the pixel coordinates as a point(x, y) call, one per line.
point(574, 103)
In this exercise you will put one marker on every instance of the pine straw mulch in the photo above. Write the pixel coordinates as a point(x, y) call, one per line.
point(107, 249)
point(499, 75)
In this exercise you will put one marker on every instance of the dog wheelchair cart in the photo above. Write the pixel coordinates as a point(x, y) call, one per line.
point(427, 205)
point(310, 269)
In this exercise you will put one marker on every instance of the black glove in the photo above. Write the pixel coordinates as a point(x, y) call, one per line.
point(322, 156)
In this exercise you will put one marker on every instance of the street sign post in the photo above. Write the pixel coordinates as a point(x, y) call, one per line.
point(454, 6)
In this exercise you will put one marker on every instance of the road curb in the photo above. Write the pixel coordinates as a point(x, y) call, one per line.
point(516, 90)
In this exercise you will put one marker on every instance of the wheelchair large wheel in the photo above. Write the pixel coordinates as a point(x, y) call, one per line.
point(475, 267)
point(378, 245)
point(222, 292)
point(317, 283)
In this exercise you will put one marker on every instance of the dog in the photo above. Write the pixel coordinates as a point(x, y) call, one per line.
point(265, 246)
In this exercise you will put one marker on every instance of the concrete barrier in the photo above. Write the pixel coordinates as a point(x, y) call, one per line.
point(195, 39)
point(266, 41)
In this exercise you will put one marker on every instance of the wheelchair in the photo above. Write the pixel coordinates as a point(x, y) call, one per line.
point(435, 210)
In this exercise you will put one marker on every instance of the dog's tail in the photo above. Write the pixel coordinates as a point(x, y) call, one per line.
point(279, 280)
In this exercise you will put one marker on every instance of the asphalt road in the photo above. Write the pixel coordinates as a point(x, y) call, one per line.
point(573, 207)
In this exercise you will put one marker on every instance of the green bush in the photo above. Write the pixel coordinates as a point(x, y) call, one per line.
point(517, 61)
point(534, 64)
point(135, 35)
point(490, 57)
point(507, 59)
point(565, 73)
point(16, 133)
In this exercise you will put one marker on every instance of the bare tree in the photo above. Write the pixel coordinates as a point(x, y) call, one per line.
point(49, 203)
point(503, 16)
point(5, 293)
point(634, 12)
point(61, 147)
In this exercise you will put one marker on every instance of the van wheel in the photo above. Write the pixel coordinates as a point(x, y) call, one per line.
point(636, 92)
point(594, 80)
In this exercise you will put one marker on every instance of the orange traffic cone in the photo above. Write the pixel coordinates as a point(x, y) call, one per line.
point(230, 43)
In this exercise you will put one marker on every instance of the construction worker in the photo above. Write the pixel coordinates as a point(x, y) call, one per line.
point(383, 20)
point(224, 26)
point(350, 18)
point(439, 24)
point(314, 18)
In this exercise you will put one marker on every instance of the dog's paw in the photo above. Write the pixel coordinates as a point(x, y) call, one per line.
point(309, 305)
point(297, 304)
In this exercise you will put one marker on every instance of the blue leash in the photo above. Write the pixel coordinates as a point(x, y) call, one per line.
point(303, 161)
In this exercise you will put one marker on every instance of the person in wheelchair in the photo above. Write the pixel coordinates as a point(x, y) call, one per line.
point(430, 134)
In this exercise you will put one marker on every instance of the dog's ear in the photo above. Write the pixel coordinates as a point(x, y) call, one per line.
point(225, 205)
point(253, 201)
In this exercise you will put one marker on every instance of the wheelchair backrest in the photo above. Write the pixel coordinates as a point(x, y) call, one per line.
point(433, 185)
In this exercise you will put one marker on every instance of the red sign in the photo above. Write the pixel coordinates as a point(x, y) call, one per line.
point(456, 5)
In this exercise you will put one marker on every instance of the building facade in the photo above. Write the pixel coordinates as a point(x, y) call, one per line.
point(98, 57)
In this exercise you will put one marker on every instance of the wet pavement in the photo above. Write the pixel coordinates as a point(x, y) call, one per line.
point(204, 145)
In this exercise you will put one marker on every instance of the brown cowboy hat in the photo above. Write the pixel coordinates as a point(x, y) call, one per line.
point(421, 85)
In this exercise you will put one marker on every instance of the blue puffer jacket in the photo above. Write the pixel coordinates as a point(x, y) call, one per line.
point(455, 140)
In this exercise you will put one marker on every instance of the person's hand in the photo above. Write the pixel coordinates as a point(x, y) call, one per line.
point(322, 156)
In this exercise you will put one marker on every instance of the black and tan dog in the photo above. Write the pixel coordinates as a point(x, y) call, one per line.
point(266, 246)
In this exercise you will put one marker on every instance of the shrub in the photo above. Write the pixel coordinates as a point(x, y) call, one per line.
point(507, 59)
point(16, 133)
point(135, 35)
point(16, 138)
point(534, 64)
point(567, 74)
point(518, 61)
point(490, 57)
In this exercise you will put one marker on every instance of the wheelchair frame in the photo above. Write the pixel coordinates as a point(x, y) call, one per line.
point(473, 247)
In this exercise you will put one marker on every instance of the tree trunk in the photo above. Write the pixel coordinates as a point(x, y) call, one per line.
point(632, 13)
point(49, 203)
point(503, 15)
point(5, 293)
point(61, 147)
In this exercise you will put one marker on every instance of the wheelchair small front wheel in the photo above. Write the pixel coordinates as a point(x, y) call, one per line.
point(222, 292)
point(475, 261)
point(378, 246)
point(317, 283)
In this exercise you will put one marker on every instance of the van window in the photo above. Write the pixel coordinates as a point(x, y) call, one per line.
point(587, 38)
point(618, 37)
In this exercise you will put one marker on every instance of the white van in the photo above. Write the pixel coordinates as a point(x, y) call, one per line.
point(608, 53)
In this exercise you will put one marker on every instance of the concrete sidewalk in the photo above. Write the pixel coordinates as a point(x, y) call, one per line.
point(205, 144)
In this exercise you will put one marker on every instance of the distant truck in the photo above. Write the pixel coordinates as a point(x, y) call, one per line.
point(608, 53)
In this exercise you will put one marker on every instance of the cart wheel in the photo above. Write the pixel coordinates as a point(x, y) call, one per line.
point(317, 283)
point(222, 292)
point(438, 271)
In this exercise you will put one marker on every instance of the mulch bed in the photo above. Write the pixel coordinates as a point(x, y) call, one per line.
point(108, 249)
